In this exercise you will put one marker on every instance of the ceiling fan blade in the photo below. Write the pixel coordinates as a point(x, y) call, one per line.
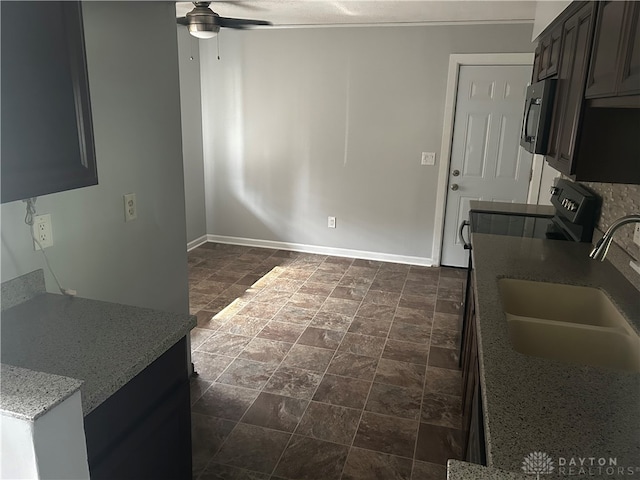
point(239, 22)
point(182, 21)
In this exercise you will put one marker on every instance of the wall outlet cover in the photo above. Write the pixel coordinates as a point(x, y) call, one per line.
point(130, 207)
point(331, 222)
point(42, 231)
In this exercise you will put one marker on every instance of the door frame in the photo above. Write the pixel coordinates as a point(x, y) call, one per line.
point(457, 60)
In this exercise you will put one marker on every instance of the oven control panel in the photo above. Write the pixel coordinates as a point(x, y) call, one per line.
point(576, 208)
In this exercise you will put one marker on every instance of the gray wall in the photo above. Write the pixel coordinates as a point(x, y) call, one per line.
point(303, 124)
point(133, 77)
point(191, 108)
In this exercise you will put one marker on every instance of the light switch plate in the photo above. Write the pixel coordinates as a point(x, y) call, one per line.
point(428, 158)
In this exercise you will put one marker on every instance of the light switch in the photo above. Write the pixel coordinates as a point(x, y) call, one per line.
point(428, 158)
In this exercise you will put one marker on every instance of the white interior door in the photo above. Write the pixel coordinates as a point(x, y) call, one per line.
point(487, 162)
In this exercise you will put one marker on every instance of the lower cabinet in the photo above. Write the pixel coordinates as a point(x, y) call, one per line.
point(143, 431)
point(472, 417)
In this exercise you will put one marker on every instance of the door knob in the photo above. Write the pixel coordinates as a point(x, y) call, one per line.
point(454, 186)
point(455, 173)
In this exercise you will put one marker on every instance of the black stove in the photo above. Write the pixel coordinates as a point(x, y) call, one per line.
point(573, 219)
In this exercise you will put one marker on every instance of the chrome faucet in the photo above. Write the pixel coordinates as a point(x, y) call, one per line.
point(599, 252)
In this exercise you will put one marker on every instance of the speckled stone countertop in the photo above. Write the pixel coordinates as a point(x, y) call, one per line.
point(103, 345)
point(512, 208)
point(533, 404)
point(458, 470)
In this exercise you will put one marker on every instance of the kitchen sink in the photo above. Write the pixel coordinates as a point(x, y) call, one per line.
point(569, 323)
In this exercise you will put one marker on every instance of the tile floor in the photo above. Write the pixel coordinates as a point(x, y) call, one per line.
point(316, 367)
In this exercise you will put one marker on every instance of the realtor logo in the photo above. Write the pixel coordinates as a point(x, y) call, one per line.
point(537, 463)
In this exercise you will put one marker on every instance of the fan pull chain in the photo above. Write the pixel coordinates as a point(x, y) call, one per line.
point(218, 45)
point(191, 40)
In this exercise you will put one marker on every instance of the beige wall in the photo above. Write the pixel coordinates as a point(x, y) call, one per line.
point(302, 124)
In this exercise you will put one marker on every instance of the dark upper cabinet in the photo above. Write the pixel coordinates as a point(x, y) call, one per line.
point(549, 54)
point(614, 69)
point(47, 132)
point(577, 31)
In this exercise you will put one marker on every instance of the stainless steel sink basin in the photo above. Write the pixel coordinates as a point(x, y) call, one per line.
point(570, 323)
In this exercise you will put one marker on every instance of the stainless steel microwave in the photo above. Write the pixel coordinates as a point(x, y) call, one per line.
point(537, 116)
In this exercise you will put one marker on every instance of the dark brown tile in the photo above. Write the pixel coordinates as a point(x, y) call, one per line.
point(252, 447)
point(350, 293)
point(347, 392)
point(406, 352)
point(244, 373)
point(418, 302)
point(395, 401)
point(260, 310)
point(447, 321)
point(341, 306)
point(207, 435)
point(377, 327)
point(355, 279)
point(372, 310)
point(362, 345)
point(279, 285)
point(216, 471)
point(420, 287)
point(325, 277)
point(355, 366)
point(206, 320)
point(293, 314)
point(210, 287)
point(249, 279)
point(293, 382)
point(445, 338)
point(198, 336)
point(329, 422)
point(443, 410)
point(306, 301)
point(402, 374)
point(408, 332)
point(244, 325)
point(266, 351)
point(320, 289)
point(413, 316)
point(378, 297)
point(386, 434)
point(428, 471)
point(392, 273)
point(224, 344)
point(372, 264)
point(444, 358)
point(451, 294)
point(208, 366)
point(438, 444)
point(442, 380)
point(225, 401)
point(311, 459)
point(331, 321)
point(226, 276)
point(365, 464)
point(308, 358)
point(453, 272)
point(448, 306)
point(320, 337)
point(197, 386)
point(275, 411)
point(273, 297)
point(395, 286)
point(225, 309)
point(283, 332)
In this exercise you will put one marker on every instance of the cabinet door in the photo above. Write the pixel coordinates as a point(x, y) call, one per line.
point(576, 40)
point(550, 47)
point(629, 83)
point(605, 57)
point(535, 76)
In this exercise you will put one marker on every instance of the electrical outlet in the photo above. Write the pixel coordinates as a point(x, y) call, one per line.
point(428, 158)
point(636, 234)
point(130, 207)
point(331, 223)
point(42, 231)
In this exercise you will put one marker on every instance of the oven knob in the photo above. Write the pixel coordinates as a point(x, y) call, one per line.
point(554, 190)
point(565, 202)
point(573, 206)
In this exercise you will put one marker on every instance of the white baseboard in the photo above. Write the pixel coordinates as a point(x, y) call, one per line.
point(196, 243)
point(338, 252)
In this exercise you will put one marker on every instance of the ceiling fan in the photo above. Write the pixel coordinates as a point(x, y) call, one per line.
point(203, 22)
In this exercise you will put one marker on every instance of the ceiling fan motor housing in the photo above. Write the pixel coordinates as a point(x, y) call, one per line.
point(202, 19)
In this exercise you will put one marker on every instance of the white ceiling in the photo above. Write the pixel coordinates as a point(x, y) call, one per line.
point(298, 13)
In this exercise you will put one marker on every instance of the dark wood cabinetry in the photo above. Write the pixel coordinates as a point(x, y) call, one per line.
point(143, 431)
point(577, 31)
point(472, 417)
point(596, 112)
point(614, 69)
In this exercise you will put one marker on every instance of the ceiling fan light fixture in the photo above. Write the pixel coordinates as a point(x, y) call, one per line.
point(203, 31)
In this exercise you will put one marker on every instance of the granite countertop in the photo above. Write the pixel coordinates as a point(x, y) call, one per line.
point(458, 470)
point(535, 404)
point(98, 346)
